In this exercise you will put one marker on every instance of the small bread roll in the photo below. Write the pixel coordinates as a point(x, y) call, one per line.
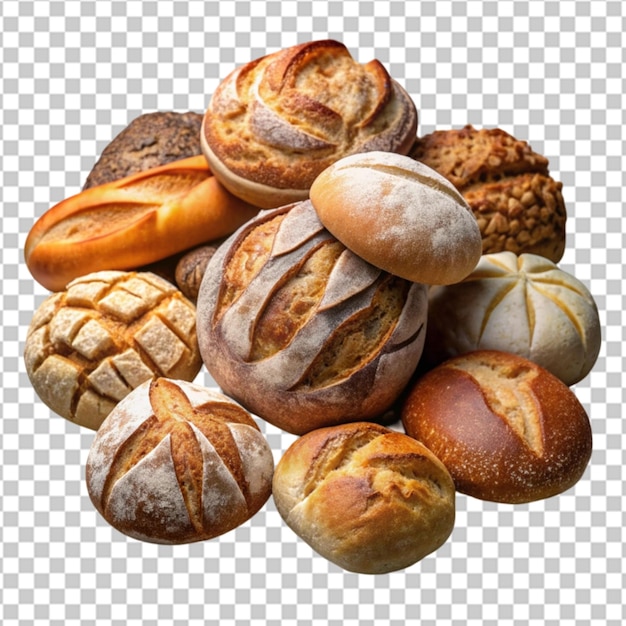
point(301, 331)
point(176, 463)
point(507, 429)
point(399, 215)
point(91, 345)
point(522, 304)
point(369, 499)
point(276, 122)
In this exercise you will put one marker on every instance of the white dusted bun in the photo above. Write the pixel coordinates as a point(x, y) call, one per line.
point(399, 215)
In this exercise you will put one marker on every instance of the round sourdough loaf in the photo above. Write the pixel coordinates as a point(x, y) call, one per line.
point(399, 215)
point(300, 330)
point(89, 346)
point(507, 429)
point(369, 499)
point(522, 304)
point(175, 462)
point(276, 122)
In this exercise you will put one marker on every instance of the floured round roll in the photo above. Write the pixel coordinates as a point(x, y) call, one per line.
point(522, 304)
point(369, 499)
point(506, 429)
point(300, 330)
point(275, 123)
point(399, 215)
point(175, 462)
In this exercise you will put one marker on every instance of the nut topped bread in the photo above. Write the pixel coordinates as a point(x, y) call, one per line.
point(518, 205)
point(89, 346)
point(275, 123)
point(303, 332)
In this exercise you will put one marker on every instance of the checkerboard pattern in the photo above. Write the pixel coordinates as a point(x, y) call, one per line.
point(75, 73)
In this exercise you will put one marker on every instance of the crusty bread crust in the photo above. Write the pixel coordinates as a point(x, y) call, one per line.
point(278, 121)
point(132, 222)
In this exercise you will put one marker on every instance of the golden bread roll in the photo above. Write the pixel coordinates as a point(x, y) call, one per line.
point(507, 429)
point(175, 463)
point(89, 346)
point(367, 498)
point(522, 304)
point(518, 205)
point(275, 123)
point(300, 330)
point(398, 215)
point(131, 222)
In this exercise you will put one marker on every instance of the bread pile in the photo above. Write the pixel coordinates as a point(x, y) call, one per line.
point(391, 300)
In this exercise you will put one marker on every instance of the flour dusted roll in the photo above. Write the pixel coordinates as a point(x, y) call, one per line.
point(276, 122)
point(506, 429)
point(176, 463)
point(522, 304)
point(369, 499)
point(300, 330)
point(399, 215)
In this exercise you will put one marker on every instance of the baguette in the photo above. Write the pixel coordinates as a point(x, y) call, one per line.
point(134, 221)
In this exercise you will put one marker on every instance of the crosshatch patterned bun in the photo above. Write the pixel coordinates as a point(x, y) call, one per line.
point(518, 205)
point(522, 304)
point(367, 498)
point(276, 122)
point(399, 215)
point(89, 346)
point(507, 429)
point(300, 330)
point(175, 462)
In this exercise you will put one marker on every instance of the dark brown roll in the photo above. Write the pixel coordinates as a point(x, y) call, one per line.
point(300, 330)
point(507, 429)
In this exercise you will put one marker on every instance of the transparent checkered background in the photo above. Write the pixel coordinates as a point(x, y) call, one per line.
point(75, 73)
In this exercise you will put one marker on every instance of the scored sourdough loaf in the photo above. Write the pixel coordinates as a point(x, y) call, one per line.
point(275, 123)
point(522, 304)
point(367, 498)
point(176, 463)
point(300, 330)
point(507, 429)
point(87, 347)
point(399, 215)
point(132, 222)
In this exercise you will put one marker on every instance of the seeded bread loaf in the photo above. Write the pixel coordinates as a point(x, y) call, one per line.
point(89, 346)
point(518, 205)
point(175, 462)
point(276, 122)
point(506, 429)
point(300, 330)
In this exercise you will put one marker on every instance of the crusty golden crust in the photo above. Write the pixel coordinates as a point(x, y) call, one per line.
point(506, 429)
point(518, 205)
point(367, 498)
point(300, 330)
point(280, 120)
